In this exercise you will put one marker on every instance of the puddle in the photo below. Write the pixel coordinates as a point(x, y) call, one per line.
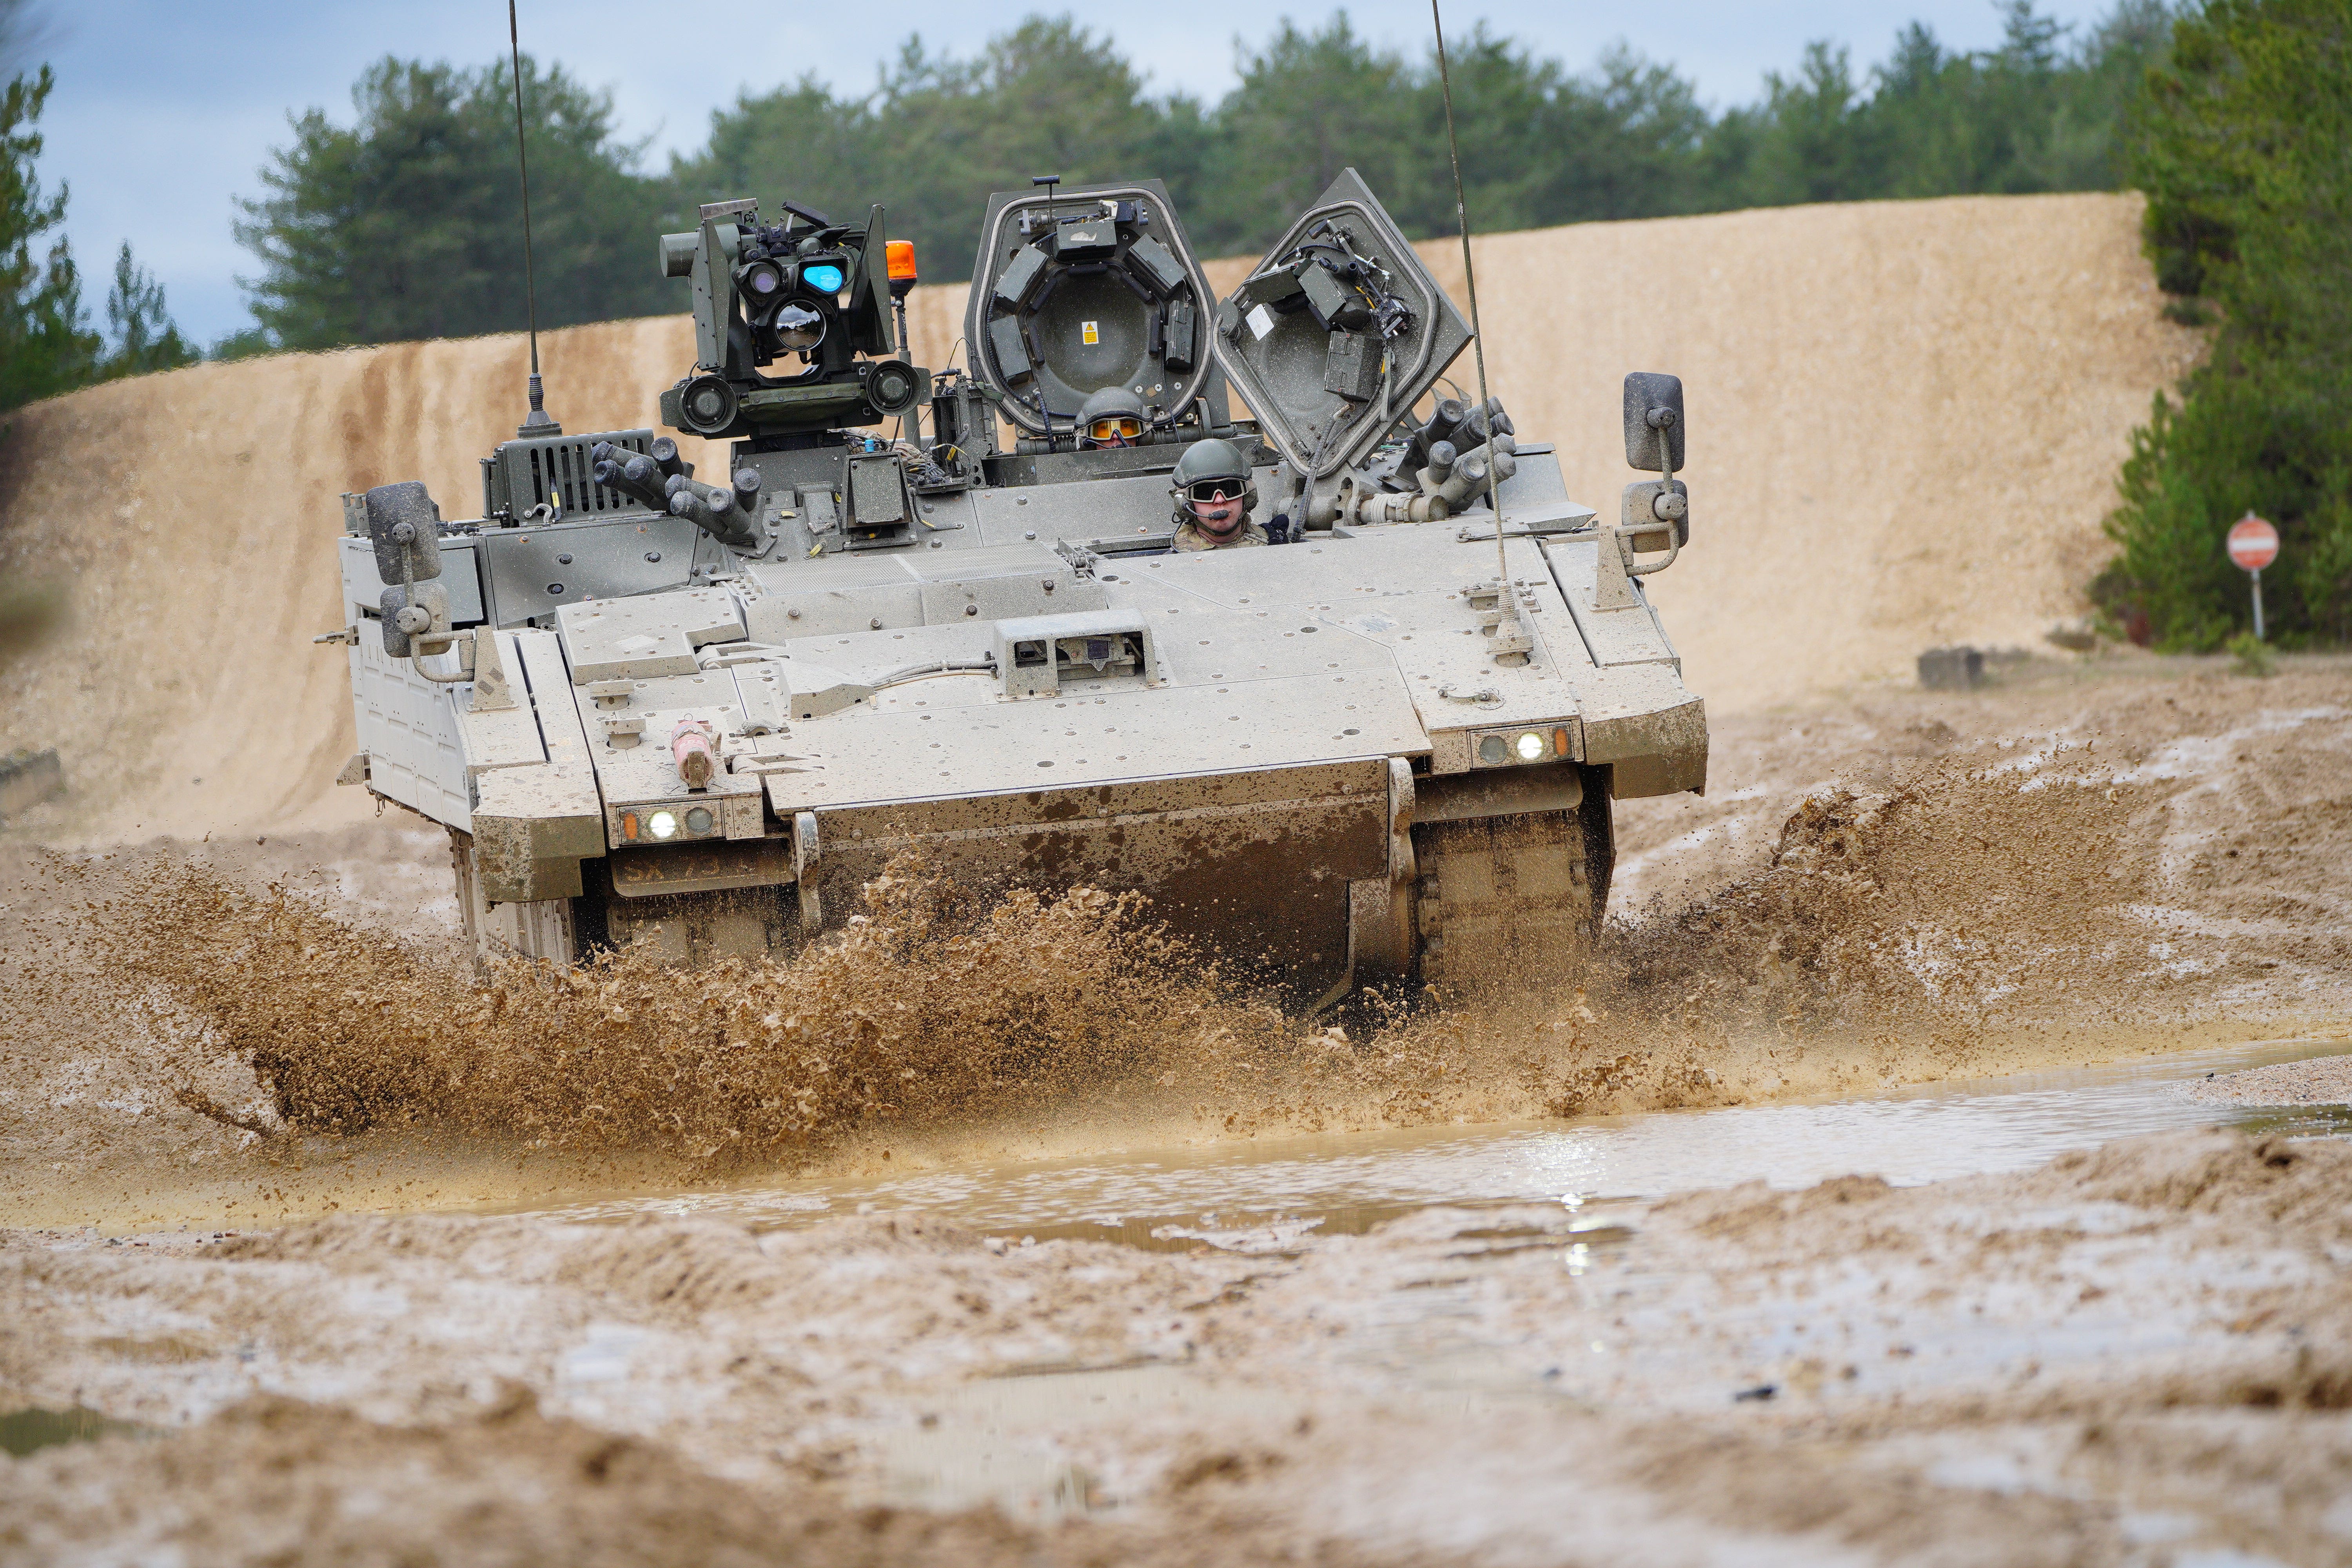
point(1046, 1441)
point(1278, 1232)
point(2297, 1122)
point(26, 1431)
point(1276, 1196)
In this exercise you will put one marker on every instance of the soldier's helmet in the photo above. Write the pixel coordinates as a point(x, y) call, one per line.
point(1112, 416)
point(1210, 469)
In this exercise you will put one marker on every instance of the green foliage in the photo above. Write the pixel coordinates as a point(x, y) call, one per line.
point(2242, 150)
point(937, 133)
point(408, 222)
point(144, 336)
point(1310, 105)
point(401, 225)
point(45, 343)
point(2252, 655)
point(2032, 115)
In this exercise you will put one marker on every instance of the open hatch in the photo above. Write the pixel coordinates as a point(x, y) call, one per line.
point(1079, 289)
point(1338, 331)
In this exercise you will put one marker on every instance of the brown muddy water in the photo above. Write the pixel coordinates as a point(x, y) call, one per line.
point(1576, 1196)
point(1271, 1193)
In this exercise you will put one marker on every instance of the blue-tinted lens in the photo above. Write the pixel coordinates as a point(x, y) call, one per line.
point(824, 277)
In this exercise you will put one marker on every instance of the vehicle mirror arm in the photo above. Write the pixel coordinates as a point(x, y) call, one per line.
point(1667, 507)
point(413, 620)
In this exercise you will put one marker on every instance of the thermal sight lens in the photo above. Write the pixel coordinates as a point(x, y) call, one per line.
point(823, 278)
point(798, 327)
point(764, 280)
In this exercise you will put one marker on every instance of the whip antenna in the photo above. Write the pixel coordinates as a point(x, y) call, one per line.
point(1470, 276)
point(539, 422)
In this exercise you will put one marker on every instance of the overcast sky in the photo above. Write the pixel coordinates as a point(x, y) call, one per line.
point(165, 108)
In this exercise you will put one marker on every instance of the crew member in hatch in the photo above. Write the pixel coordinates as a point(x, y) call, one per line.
point(1113, 416)
point(1214, 495)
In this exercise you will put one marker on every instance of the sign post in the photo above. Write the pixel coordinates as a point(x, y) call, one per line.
point(2253, 544)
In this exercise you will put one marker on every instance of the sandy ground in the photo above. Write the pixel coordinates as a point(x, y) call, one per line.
point(2133, 1356)
point(2323, 1081)
point(2140, 1355)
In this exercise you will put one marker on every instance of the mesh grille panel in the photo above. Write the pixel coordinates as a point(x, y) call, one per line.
point(558, 471)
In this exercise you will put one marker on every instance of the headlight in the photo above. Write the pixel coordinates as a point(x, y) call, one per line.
point(662, 825)
point(1517, 748)
point(697, 822)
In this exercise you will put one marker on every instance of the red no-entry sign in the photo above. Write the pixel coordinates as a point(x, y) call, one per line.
point(2253, 543)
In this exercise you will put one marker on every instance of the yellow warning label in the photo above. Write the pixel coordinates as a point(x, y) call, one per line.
point(1086, 329)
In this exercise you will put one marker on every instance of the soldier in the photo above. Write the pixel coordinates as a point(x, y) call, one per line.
point(1213, 496)
point(1113, 416)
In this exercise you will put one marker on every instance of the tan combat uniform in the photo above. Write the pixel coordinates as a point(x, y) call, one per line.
point(1189, 536)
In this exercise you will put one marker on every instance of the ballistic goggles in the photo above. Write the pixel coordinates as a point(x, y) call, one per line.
point(1115, 427)
point(1208, 492)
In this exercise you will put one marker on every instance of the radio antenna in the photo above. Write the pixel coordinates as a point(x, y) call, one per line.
point(1470, 277)
point(539, 422)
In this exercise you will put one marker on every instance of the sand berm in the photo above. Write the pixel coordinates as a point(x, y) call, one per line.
point(1905, 418)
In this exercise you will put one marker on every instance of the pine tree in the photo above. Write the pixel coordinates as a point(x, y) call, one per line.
point(140, 329)
point(47, 345)
point(2241, 150)
point(408, 224)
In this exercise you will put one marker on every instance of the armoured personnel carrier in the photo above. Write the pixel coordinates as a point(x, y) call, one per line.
point(701, 712)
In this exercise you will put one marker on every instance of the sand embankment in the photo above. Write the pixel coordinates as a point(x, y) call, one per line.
point(1906, 421)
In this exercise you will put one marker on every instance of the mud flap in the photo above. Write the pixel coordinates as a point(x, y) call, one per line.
point(1257, 870)
point(1379, 909)
point(693, 929)
point(543, 928)
point(1502, 898)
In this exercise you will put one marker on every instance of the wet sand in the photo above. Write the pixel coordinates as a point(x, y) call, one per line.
point(2322, 1082)
point(331, 1349)
point(2146, 1346)
point(2129, 855)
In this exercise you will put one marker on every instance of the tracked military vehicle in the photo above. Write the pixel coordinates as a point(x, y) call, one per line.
point(698, 710)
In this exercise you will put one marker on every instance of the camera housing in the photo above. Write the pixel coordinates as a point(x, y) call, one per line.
point(793, 330)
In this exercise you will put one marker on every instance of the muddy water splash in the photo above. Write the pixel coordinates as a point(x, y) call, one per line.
point(1890, 938)
point(1971, 920)
point(923, 1010)
point(1964, 896)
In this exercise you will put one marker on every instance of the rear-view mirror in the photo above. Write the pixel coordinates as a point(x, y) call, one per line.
point(1654, 411)
point(405, 526)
